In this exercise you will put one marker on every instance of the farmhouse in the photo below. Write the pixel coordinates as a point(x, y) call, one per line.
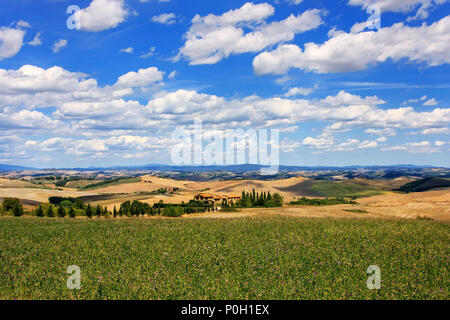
point(204, 197)
point(216, 198)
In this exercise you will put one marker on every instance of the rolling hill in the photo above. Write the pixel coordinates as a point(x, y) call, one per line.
point(425, 185)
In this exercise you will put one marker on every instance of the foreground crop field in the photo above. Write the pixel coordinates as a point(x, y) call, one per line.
point(250, 258)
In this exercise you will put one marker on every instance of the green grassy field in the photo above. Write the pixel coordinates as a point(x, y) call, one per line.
point(108, 183)
point(251, 258)
point(316, 188)
point(344, 189)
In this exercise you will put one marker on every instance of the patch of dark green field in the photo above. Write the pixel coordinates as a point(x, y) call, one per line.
point(108, 183)
point(315, 188)
point(426, 184)
point(251, 258)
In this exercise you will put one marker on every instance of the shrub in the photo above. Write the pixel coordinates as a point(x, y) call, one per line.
point(66, 201)
point(172, 211)
point(10, 203)
point(322, 202)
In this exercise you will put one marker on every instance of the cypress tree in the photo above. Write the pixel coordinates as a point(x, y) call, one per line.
point(115, 212)
point(40, 212)
point(89, 211)
point(61, 212)
point(72, 213)
point(49, 212)
point(17, 210)
point(98, 211)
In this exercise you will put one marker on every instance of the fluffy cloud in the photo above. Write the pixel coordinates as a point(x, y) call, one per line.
point(142, 78)
point(300, 91)
point(417, 147)
point(120, 145)
point(172, 75)
point(58, 45)
point(33, 87)
point(401, 6)
point(23, 24)
point(345, 52)
point(78, 97)
point(112, 115)
point(165, 18)
point(381, 132)
point(26, 119)
point(127, 50)
point(436, 131)
point(102, 15)
point(212, 38)
point(150, 53)
point(431, 102)
point(36, 40)
point(327, 142)
point(351, 110)
point(11, 41)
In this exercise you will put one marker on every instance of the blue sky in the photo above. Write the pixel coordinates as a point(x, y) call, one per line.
point(112, 90)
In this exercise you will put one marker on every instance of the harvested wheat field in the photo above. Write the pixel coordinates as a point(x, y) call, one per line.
point(377, 203)
point(41, 195)
point(433, 205)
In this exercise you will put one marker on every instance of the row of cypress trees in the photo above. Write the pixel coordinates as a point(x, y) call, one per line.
point(259, 199)
point(62, 211)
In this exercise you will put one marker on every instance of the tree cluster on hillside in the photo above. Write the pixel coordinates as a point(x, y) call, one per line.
point(259, 199)
point(322, 202)
point(66, 202)
point(66, 206)
point(11, 206)
point(137, 208)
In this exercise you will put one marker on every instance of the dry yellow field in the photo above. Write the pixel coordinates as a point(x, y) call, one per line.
point(40, 195)
point(11, 183)
point(430, 204)
point(188, 189)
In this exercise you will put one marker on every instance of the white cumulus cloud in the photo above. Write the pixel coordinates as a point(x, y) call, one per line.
point(102, 15)
point(11, 41)
point(58, 45)
point(345, 52)
point(212, 38)
point(165, 18)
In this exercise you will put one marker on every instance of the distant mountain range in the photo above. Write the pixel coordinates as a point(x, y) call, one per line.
point(230, 168)
point(8, 167)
